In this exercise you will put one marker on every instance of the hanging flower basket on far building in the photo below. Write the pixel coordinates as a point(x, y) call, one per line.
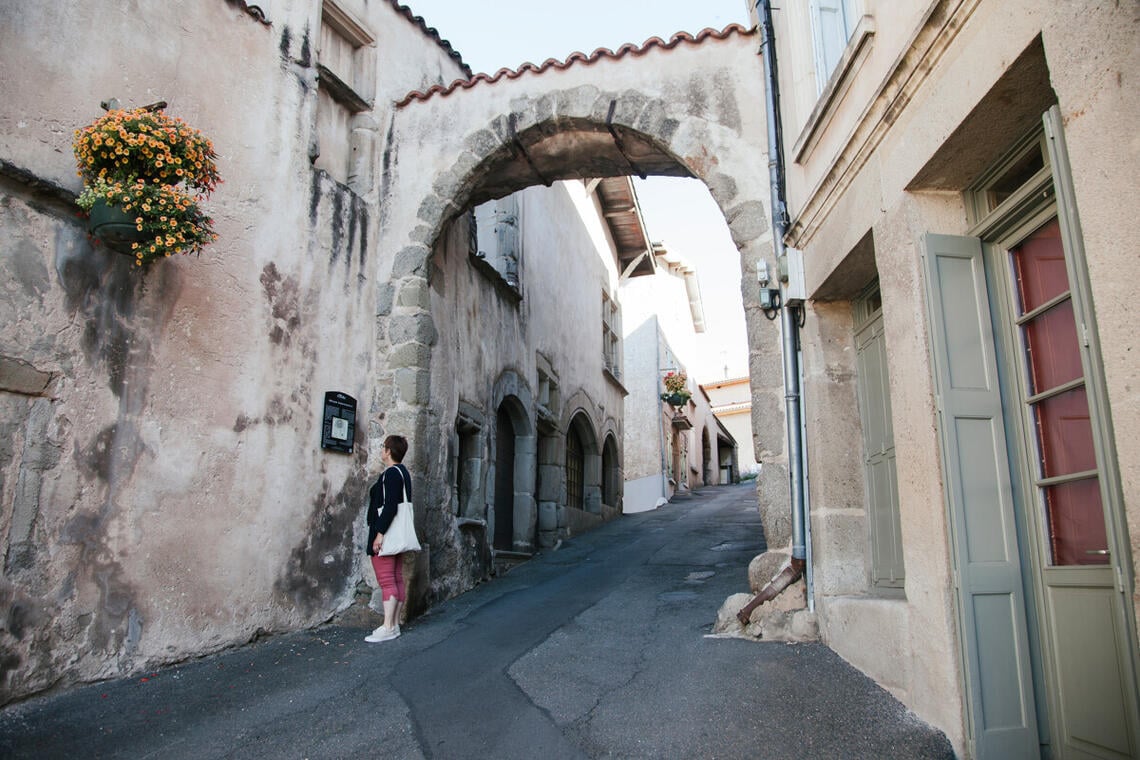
point(676, 389)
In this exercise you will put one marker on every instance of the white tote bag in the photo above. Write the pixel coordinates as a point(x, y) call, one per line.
point(401, 535)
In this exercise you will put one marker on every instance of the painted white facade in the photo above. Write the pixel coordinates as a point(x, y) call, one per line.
point(663, 318)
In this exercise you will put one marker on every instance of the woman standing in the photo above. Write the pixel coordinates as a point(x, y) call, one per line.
point(383, 503)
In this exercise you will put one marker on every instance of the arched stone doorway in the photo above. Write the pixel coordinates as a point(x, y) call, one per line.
point(687, 109)
point(513, 516)
point(504, 504)
point(583, 466)
point(611, 473)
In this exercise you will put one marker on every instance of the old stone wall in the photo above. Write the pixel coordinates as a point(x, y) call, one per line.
point(164, 492)
point(533, 350)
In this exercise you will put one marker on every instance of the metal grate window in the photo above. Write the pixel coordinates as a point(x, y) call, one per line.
point(575, 471)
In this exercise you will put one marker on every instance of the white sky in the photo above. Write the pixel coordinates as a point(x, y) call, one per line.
point(492, 34)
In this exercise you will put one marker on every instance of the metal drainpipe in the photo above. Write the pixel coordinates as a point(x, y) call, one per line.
point(789, 325)
point(660, 430)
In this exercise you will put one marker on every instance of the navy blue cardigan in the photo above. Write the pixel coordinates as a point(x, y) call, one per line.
point(384, 500)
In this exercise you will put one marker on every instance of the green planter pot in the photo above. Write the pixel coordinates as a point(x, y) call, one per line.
point(676, 399)
point(114, 227)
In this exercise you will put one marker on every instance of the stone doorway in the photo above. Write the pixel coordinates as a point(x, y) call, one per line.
point(690, 108)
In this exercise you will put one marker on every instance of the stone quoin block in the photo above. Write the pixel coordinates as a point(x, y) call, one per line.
point(431, 210)
point(414, 292)
point(747, 221)
point(385, 295)
point(423, 234)
point(409, 355)
point(410, 260)
point(414, 327)
point(722, 187)
point(413, 385)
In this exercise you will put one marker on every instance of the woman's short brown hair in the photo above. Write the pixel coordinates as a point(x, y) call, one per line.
point(397, 446)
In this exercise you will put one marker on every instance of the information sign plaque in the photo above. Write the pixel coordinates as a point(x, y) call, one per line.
point(339, 426)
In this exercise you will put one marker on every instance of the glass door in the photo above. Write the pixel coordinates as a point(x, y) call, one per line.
point(1084, 636)
point(1066, 475)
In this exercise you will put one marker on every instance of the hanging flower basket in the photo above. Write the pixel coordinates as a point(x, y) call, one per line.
point(114, 226)
point(676, 389)
point(145, 174)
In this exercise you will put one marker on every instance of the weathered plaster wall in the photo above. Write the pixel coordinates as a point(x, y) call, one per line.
point(484, 332)
point(663, 338)
point(643, 446)
point(164, 494)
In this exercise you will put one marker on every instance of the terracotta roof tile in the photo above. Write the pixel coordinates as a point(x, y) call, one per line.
point(572, 59)
point(431, 31)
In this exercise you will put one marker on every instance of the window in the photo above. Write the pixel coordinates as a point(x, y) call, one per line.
point(887, 571)
point(468, 469)
point(346, 72)
point(832, 23)
point(611, 336)
point(575, 470)
point(1013, 181)
point(548, 402)
point(1056, 402)
point(496, 239)
point(345, 59)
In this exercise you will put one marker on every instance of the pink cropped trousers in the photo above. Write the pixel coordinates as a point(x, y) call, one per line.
point(390, 575)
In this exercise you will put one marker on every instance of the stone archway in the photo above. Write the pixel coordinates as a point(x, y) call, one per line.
point(692, 108)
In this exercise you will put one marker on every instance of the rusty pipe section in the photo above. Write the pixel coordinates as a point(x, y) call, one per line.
point(791, 573)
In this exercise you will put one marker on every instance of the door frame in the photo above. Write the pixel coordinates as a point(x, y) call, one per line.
point(1049, 194)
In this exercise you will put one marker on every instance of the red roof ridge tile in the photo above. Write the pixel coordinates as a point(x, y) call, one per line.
point(576, 57)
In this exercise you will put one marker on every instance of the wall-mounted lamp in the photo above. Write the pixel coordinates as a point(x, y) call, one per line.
point(769, 297)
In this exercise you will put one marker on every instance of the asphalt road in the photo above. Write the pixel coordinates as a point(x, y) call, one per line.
point(600, 649)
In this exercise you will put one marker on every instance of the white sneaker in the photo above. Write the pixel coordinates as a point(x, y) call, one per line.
point(382, 634)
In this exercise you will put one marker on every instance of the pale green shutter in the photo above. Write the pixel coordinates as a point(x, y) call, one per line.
point(887, 569)
point(977, 483)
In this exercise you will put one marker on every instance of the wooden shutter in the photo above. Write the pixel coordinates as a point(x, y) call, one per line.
point(977, 482)
point(887, 568)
